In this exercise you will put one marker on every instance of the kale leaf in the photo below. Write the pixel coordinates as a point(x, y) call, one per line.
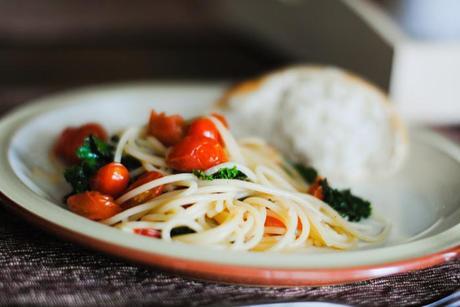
point(78, 179)
point(308, 173)
point(130, 162)
point(223, 173)
point(181, 230)
point(202, 175)
point(114, 139)
point(94, 153)
point(345, 203)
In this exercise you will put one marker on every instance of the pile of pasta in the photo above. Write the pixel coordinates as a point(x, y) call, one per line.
point(232, 213)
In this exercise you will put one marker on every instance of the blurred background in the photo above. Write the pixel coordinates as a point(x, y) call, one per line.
point(410, 48)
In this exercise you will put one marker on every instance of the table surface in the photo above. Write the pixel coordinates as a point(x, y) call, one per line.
point(38, 268)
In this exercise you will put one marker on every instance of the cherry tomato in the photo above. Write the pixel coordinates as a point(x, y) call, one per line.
point(169, 130)
point(147, 195)
point(72, 138)
point(205, 127)
point(65, 148)
point(316, 189)
point(271, 221)
point(111, 179)
point(196, 153)
point(148, 232)
point(93, 205)
point(92, 129)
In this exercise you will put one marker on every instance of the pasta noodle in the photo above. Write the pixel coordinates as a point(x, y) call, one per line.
point(231, 213)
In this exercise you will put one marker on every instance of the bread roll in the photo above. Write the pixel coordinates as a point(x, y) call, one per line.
point(322, 116)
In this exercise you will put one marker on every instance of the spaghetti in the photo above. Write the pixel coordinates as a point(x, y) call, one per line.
point(233, 213)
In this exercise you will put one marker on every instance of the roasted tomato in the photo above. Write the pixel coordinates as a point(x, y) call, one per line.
point(147, 195)
point(271, 221)
point(205, 127)
point(196, 153)
point(316, 189)
point(93, 205)
point(148, 232)
point(72, 138)
point(169, 130)
point(111, 179)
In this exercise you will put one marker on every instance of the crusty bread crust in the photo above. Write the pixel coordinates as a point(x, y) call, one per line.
point(239, 89)
point(396, 123)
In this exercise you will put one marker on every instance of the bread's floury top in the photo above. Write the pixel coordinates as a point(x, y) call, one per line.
point(325, 116)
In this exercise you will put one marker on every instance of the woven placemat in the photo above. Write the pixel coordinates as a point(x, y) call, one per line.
point(37, 268)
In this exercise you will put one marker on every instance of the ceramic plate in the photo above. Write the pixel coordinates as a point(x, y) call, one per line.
point(421, 202)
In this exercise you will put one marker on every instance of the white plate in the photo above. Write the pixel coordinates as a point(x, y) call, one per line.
point(421, 202)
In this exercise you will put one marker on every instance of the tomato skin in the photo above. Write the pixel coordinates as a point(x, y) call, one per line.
point(169, 130)
point(316, 189)
point(195, 153)
point(111, 179)
point(93, 205)
point(92, 129)
point(148, 232)
point(65, 146)
point(72, 138)
point(205, 127)
point(271, 221)
point(147, 195)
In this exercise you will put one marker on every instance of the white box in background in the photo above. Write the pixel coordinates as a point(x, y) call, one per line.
point(425, 77)
point(420, 72)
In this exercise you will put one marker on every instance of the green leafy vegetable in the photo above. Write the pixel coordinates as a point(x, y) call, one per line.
point(181, 230)
point(223, 173)
point(78, 178)
point(202, 175)
point(95, 150)
point(130, 162)
point(308, 173)
point(79, 175)
point(115, 139)
point(93, 154)
point(345, 203)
